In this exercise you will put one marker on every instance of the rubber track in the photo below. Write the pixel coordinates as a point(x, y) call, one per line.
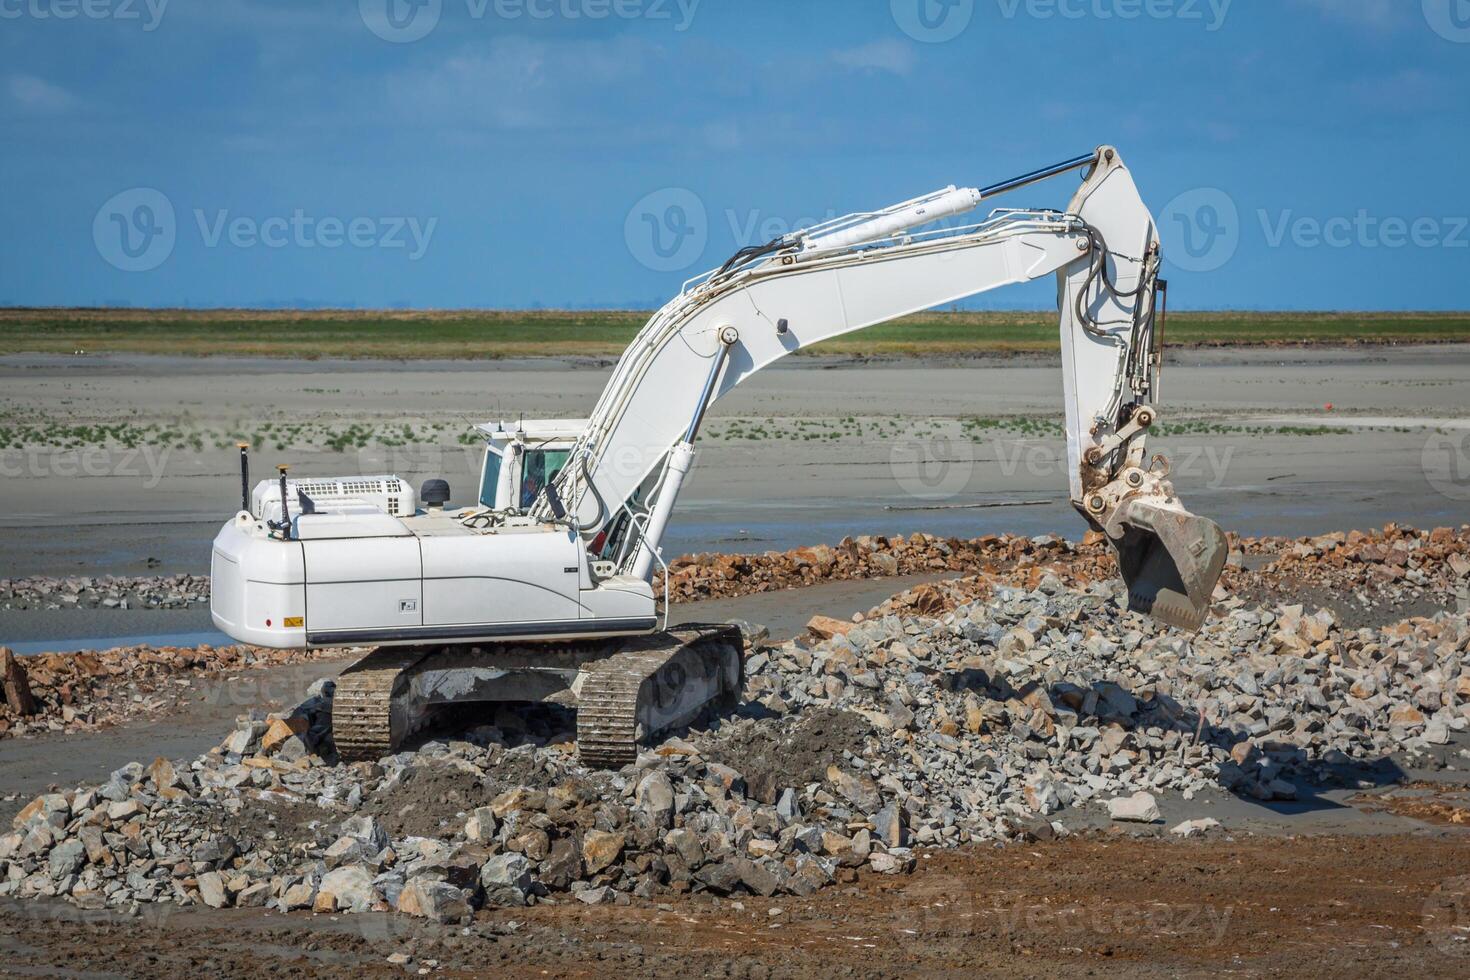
point(362, 704)
point(607, 705)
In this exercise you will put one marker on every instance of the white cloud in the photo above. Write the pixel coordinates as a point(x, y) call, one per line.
point(38, 95)
point(890, 56)
point(1407, 92)
point(515, 83)
point(724, 135)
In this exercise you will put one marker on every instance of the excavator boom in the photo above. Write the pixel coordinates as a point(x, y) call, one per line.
point(813, 285)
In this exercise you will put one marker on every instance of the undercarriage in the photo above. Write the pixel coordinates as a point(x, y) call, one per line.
point(624, 691)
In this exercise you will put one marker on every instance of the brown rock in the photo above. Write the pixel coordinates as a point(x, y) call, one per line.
point(1406, 715)
point(600, 849)
point(162, 773)
point(281, 729)
point(519, 798)
point(17, 688)
point(859, 790)
point(825, 627)
point(885, 563)
point(1244, 753)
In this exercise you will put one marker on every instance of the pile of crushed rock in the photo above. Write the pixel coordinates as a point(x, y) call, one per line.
point(91, 690)
point(990, 721)
point(104, 592)
point(1388, 567)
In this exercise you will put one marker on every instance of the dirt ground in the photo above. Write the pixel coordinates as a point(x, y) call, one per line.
point(1107, 904)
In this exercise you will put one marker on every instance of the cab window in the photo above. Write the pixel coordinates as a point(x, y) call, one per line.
point(538, 468)
point(490, 480)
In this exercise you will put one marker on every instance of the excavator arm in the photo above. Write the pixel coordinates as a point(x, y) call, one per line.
point(624, 475)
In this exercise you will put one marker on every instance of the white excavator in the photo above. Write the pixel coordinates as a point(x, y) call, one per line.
point(543, 589)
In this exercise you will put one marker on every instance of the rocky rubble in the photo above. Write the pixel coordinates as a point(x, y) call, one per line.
point(263, 820)
point(706, 576)
point(1405, 561)
point(993, 720)
point(1401, 560)
point(1384, 568)
point(104, 592)
point(87, 691)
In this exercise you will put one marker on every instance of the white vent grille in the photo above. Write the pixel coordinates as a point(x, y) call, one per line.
point(388, 494)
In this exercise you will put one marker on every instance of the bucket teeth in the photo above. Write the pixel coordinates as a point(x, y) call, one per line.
point(1169, 559)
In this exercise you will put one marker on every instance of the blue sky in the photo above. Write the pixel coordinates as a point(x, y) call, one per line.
point(1300, 154)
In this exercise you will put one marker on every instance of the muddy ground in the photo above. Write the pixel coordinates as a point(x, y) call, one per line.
point(1105, 904)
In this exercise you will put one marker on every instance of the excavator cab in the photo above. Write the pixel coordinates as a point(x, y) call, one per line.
point(522, 457)
point(1170, 560)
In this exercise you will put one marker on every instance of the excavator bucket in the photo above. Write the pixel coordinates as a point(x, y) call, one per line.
point(1170, 561)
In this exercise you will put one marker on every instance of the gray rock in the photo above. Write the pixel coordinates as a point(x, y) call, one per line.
point(435, 900)
point(602, 895)
point(66, 858)
point(352, 886)
point(506, 879)
point(655, 795)
point(481, 826)
point(1139, 808)
point(346, 850)
point(212, 890)
point(374, 838)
